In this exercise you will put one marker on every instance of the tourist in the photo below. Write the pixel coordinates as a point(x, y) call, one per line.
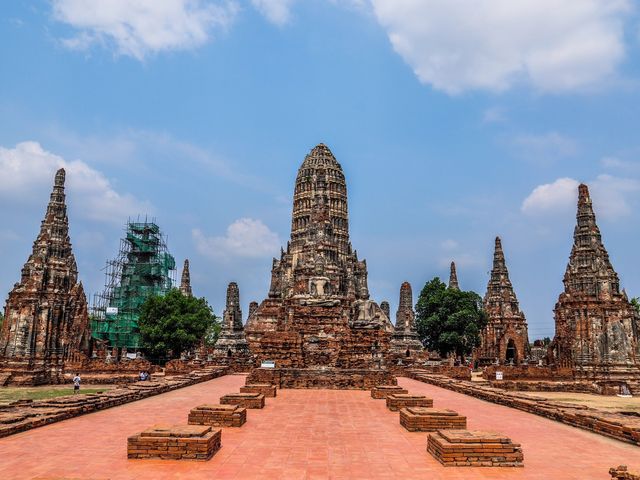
point(76, 383)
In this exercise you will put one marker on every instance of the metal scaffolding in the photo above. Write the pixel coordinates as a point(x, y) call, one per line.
point(143, 268)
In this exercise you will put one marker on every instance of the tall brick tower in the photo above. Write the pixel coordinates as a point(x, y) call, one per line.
point(231, 340)
point(185, 280)
point(596, 326)
point(453, 277)
point(46, 312)
point(405, 341)
point(318, 313)
point(505, 338)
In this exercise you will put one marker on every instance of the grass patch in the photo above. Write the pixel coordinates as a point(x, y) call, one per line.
point(8, 394)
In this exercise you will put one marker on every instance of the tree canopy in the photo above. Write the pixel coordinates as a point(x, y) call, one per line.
point(449, 320)
point(174, 323)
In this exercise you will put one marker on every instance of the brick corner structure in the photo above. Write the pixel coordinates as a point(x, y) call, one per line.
point(622, 473)
point(471, 448)
point(175, 442)
point(381, 392)
point(396, 401)
point(246, 400)
point(421, 419)
point(218, 415)
point(267, 389)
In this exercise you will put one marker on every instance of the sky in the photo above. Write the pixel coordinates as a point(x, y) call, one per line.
point(454, 122)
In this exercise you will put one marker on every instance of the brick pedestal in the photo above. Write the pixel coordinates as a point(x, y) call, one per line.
point(175, 442)
point(420, 419)
point(622, 473)
point(382, 391)
point(218, 415)
point(396, 401)
point(266, 389)
point(246, 400)
point(470, 448)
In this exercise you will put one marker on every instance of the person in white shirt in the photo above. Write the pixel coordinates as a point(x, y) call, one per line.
point(76, 383)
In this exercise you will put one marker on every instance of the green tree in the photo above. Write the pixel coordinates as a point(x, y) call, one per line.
point(449, 320)
point(635, 301)
point(174, 323)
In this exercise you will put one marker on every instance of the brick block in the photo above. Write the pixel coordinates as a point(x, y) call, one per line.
point(246, 400)
point(218, 415)
point(267, 389)
point(396, 401)
point(175, 442)
point(472, 448)
point(382, 391)
point(421, 419)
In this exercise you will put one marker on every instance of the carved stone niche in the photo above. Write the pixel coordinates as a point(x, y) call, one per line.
point(319, 286)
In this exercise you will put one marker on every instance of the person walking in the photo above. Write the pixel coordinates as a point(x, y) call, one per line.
point(76, 383)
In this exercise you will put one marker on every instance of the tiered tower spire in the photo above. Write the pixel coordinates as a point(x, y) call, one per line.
point(453, 277)
point(231, 340)
point(505, 338)
point(185, 281)
point(46, 312)
point(596, 326)
point(405, 340)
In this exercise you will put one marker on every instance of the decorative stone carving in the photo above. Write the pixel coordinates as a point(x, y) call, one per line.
point(46, 313)
point(505, 339)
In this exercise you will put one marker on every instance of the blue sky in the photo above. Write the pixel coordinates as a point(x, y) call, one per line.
point(454, 122)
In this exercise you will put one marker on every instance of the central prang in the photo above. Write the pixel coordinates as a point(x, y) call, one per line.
point(318, 313)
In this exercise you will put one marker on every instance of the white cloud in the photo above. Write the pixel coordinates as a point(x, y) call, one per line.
point(612, 197)
point(245, 237)
point(548, 198)
point(545, 148)
point(276, 11)
point(457, 45)
point(28, 170)
point(140, 27)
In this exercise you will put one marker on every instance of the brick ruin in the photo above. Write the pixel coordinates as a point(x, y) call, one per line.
point(231, 341)
point(46, 317)
point(318, 314)
point(505, 338)
point(405, 341)
point(453, 277)
point(185, 280)
point(596, 325)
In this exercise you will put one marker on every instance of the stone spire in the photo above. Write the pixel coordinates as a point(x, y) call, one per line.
point(231, 340)
point(405, 336)
point(46, 312)
point(596, 326)
point(453, 277)
point(505, 338)
point(384, 306)
point(588, 255)
point(405, 315)
point(253, 308)
point(185, 281)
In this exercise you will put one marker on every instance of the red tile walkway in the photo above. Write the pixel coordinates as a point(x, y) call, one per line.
point(305, 434)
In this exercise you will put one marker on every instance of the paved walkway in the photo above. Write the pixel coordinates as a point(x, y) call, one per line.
point(304, 434)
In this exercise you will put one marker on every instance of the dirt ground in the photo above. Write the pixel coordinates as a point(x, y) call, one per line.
point(11, 394)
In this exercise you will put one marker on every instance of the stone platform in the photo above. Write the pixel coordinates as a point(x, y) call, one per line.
point(218, 415)
point(402, 400)
point(473, 448)
point(381, 392)
point(266, 389)
point(332, 378)
point(246, 400)
point(420, 419)
point(175, 442)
